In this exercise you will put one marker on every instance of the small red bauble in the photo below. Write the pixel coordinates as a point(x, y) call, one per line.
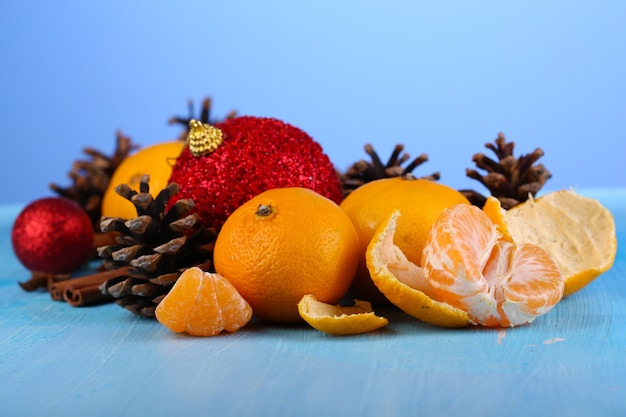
point(227, 164)
point(52, 235)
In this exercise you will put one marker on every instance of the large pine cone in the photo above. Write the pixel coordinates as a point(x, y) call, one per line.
point(157, 245)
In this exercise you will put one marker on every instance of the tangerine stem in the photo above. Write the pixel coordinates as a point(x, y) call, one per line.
point(264, 210)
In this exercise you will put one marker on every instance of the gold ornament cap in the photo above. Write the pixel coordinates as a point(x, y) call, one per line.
point(203, 138)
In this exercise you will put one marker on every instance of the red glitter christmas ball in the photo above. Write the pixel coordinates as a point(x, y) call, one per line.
point(227, 164)
point(52, 235)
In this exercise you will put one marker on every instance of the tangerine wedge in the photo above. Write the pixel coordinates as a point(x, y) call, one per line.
point(340, 320)
point(203, 304)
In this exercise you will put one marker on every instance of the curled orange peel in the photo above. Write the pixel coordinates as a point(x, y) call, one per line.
point(340, 320)
point(401, 281)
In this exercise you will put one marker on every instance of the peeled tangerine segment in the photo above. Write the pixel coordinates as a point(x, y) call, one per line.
point(340, 320)
point(498, 283)
point(203, 304)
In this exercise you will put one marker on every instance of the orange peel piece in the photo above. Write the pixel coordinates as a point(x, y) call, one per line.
point(493, 209)
point(340, 320)
point(577, 231)
point(401, 281)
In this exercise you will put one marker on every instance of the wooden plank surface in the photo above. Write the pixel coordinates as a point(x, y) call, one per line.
point(56, 360)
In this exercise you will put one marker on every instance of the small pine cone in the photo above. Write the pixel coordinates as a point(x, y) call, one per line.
point(362, 172)
point(90, 178)
point(158, 245)
point(205, 117)
point(511, 180)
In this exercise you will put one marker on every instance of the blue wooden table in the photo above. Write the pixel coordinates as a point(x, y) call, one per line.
point(57, 360)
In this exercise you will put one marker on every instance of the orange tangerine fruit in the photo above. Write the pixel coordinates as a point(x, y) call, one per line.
point(203, 304)
point(340, 320)
point(156, 161)
point(286, 243)
point(420, 202)
point(578, 231)
point(498, 283)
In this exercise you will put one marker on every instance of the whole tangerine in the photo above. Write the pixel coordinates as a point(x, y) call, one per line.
point(156, 161)
point(420, 201)
point(286, 243)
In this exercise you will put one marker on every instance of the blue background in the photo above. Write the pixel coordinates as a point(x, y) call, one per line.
point(441, 77)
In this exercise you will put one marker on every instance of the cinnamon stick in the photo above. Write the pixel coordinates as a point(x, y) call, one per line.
point(85, 290)
point(42, 280)
point(85, 296)
point(104, 239)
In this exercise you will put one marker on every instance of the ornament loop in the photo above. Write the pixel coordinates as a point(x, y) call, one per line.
point(203, 138)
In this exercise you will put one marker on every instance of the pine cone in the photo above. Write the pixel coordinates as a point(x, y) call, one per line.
point(362, 172)
point(511, 180)
point(158, 245)
point(90, 178)
point(205, 117)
